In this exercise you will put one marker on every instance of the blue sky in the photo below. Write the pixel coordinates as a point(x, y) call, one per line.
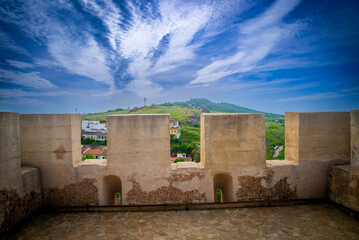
point(273, 56)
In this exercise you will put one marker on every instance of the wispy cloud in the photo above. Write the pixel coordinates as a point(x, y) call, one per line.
point(9, 93)
point(257, 38)
point(16, 96)
point(353, 89)
point(22, 101)
point(82, 58)
point(45, 63)
point(18, 64)
point(316, 96)
point(157, 37)
point(73, 49)
point(286, 63)
point(30, 79)
point(7, 43)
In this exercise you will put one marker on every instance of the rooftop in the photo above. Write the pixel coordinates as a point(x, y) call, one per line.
point(315, 221)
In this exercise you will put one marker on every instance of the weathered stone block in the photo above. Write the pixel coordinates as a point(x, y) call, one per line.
point(354, 138)
point(139, 140)
point(231, 141)
point(317, 136)
point(10, 167)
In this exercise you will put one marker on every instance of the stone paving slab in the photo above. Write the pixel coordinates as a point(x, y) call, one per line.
point(316, 221)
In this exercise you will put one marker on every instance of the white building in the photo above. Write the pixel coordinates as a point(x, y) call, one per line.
point(94, 126)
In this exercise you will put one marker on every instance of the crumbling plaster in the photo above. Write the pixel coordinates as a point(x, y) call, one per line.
point(40, 156)
point(139, 152)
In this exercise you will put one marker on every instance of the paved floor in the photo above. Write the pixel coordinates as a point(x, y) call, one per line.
point(317, 221)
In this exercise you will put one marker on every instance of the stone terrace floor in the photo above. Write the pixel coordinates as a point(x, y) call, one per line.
point(316, 221)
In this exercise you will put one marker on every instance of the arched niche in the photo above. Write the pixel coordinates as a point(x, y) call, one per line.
point(223, 182)
point(112, 185)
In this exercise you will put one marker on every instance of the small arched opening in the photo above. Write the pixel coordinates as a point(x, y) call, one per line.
point(112, 190)
point(223, 188)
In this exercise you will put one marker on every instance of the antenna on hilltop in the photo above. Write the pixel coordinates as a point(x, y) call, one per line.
point(145, 101)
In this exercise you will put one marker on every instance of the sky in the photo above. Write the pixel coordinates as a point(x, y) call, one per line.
point(62, 56)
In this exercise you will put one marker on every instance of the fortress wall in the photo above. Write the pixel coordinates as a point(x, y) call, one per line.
point(138, 166)
point(47, 143)
point(354, 136)
point(315, 141)
point(318, 136)
point(344, 179)
point(139, 154)
point(20, 193)
point(139, 141)
point(292, 137)
point(230, 142)
point(10, 170)
point(233, 156)
point(52, 143)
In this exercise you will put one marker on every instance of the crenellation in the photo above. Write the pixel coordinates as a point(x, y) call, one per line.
point(138, 169)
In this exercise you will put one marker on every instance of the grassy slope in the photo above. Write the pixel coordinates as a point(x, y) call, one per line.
point(200, 103)
point(175, 112)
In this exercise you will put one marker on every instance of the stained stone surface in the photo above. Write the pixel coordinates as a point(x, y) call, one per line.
point(317, 221)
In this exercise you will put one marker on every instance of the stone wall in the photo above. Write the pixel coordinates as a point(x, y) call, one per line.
point(138, 164)
point(20, 187)
point(344, 179)
point(52, 143)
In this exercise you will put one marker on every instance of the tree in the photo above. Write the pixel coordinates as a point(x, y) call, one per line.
point(196, 155)
point(205, 110)
point(87, 141)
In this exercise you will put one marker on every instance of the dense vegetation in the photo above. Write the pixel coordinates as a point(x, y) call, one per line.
point(274, 137)
point(89, 141)
point(188, 113)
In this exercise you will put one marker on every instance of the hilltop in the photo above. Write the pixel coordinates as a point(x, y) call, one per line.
point(182, 110)
point(200, 103)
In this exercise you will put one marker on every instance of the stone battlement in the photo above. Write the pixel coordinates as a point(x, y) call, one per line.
point(41, 159)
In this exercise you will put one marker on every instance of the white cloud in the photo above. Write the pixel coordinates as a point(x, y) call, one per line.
point(149, 25)
point(7, 43)
point(353, 89)
point(270, 17)
point(74, 50)
point(15, 96)
point(18, 93)
point(45, 63)
point(316, 96)
point(22, 101)
point(19, 64)
point(110, 15)
point(259, 37)
point(31, 79)
point(253, 50)
point(85, 59)
point(146, 88)
point(286, 63)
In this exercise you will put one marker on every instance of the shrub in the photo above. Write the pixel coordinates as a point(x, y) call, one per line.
point(88, 156)
point(179, 160)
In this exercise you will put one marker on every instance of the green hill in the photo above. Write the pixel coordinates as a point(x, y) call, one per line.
point(188, 113)
point(182, 110)
point(176, 112)
point(200, 103)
